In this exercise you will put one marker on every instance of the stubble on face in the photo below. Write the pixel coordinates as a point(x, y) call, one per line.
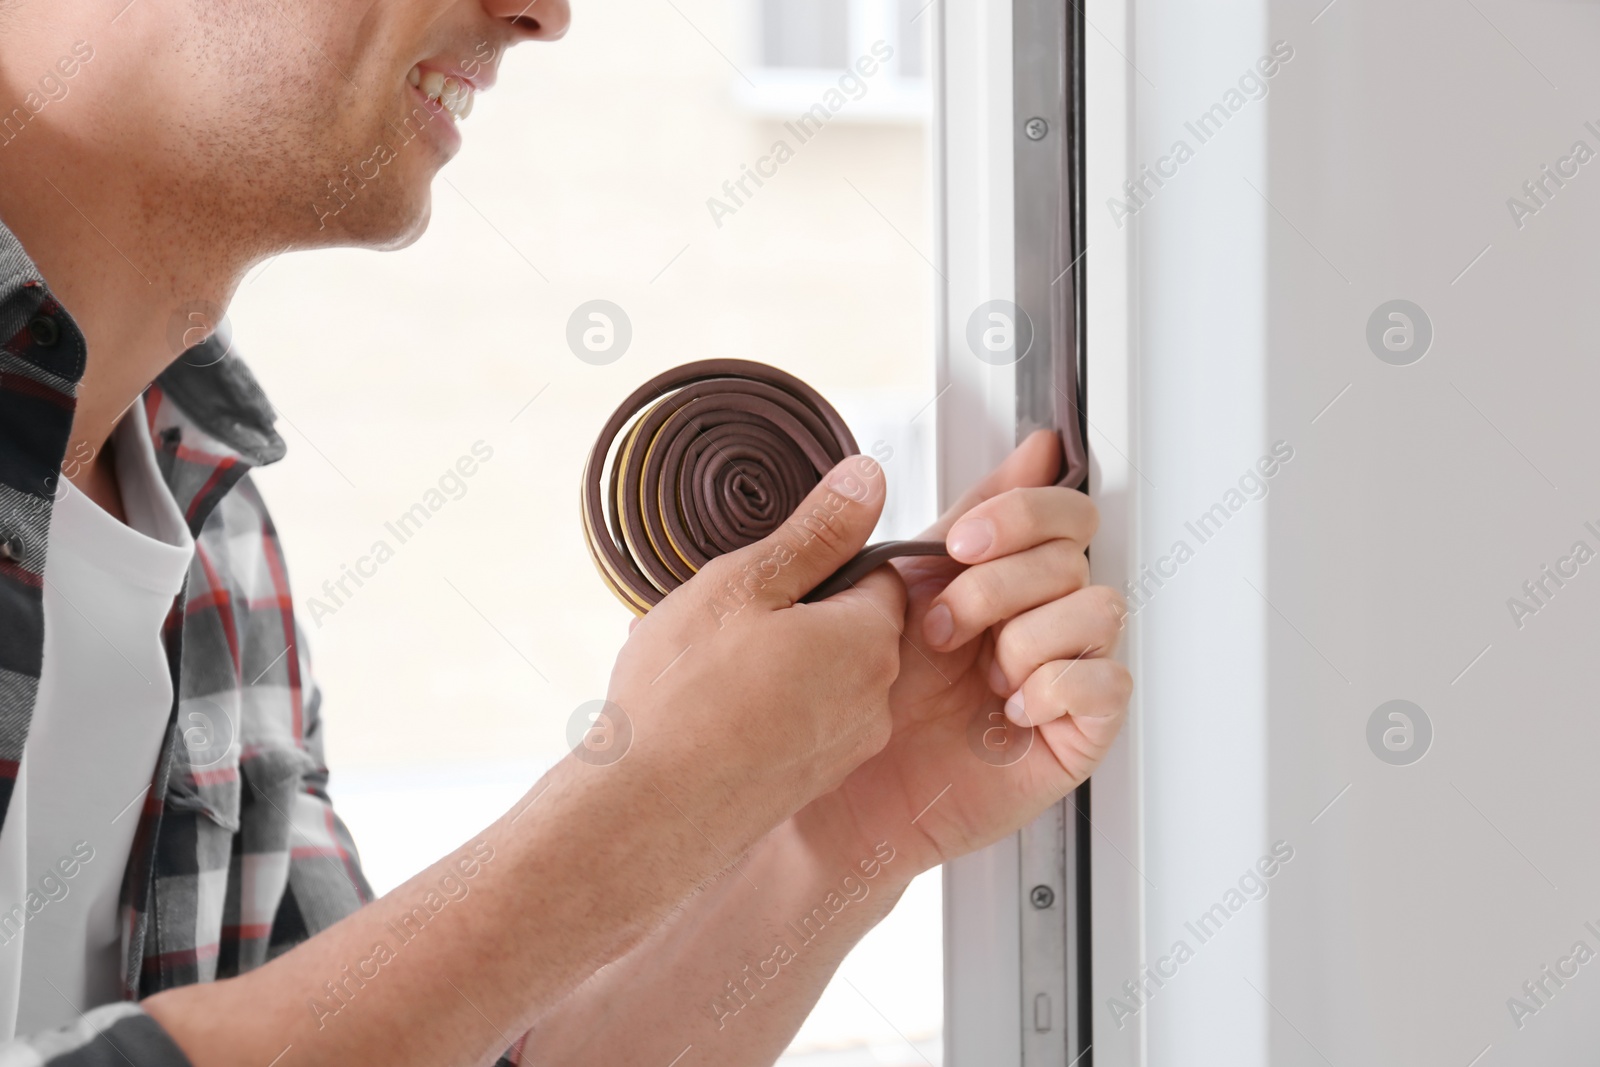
point(309, 136)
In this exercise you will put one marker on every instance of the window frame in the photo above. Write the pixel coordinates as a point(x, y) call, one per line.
point(993, 962)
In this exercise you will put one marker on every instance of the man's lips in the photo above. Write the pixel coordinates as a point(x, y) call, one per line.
point(441, 127)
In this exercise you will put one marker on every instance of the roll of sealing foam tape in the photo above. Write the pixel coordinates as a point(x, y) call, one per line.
point(705, 459)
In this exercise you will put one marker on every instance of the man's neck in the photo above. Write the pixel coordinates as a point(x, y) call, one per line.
point(136, 256)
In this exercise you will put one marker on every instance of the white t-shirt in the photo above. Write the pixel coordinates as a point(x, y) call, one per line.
point(105, 696)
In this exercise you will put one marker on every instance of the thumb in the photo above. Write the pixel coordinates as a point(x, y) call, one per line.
point(829, 527)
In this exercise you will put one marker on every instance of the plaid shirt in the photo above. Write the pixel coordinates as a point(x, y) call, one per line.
point(238, 855)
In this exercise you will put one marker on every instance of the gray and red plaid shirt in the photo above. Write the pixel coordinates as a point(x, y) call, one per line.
point(238, 855)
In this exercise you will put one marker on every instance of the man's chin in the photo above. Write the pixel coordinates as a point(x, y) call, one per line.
point(382, 227)
point(411, 231)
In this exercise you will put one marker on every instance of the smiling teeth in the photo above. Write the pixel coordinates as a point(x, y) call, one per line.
point(453, 94)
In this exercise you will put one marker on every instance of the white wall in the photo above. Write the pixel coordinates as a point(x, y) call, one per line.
point(1419, 499)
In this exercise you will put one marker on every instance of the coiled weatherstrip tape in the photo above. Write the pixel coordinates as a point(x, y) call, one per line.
point(705, 459)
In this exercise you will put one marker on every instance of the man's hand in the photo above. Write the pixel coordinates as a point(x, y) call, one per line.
point(750, 702)
point(1018, 635)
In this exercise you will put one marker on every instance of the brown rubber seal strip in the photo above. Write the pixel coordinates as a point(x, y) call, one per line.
point(704, 459)
point(870, 559)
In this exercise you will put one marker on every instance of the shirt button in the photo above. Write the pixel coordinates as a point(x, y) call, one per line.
point(44, 331)
point(10, 548)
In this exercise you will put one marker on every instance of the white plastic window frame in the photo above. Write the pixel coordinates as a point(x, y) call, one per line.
point(788, 92)
point(987, 1009)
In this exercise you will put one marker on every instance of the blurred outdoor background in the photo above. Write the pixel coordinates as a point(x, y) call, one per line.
point(450, 676)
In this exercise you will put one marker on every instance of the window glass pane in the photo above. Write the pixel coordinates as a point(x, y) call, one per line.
point(614, 165)
point(805, 33)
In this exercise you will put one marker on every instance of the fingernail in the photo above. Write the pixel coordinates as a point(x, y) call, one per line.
point(997, 678)
point(971, 538)
point(1014, 710)
point(939, 626)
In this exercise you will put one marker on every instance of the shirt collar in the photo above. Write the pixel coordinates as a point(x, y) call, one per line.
point(16, 269)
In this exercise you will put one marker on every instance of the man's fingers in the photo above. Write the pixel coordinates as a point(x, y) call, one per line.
point(1086, 624)
point(1036, 461)
point(1001, 589)
point(1018, 519)
point(831, 525)
point(1095, 692)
